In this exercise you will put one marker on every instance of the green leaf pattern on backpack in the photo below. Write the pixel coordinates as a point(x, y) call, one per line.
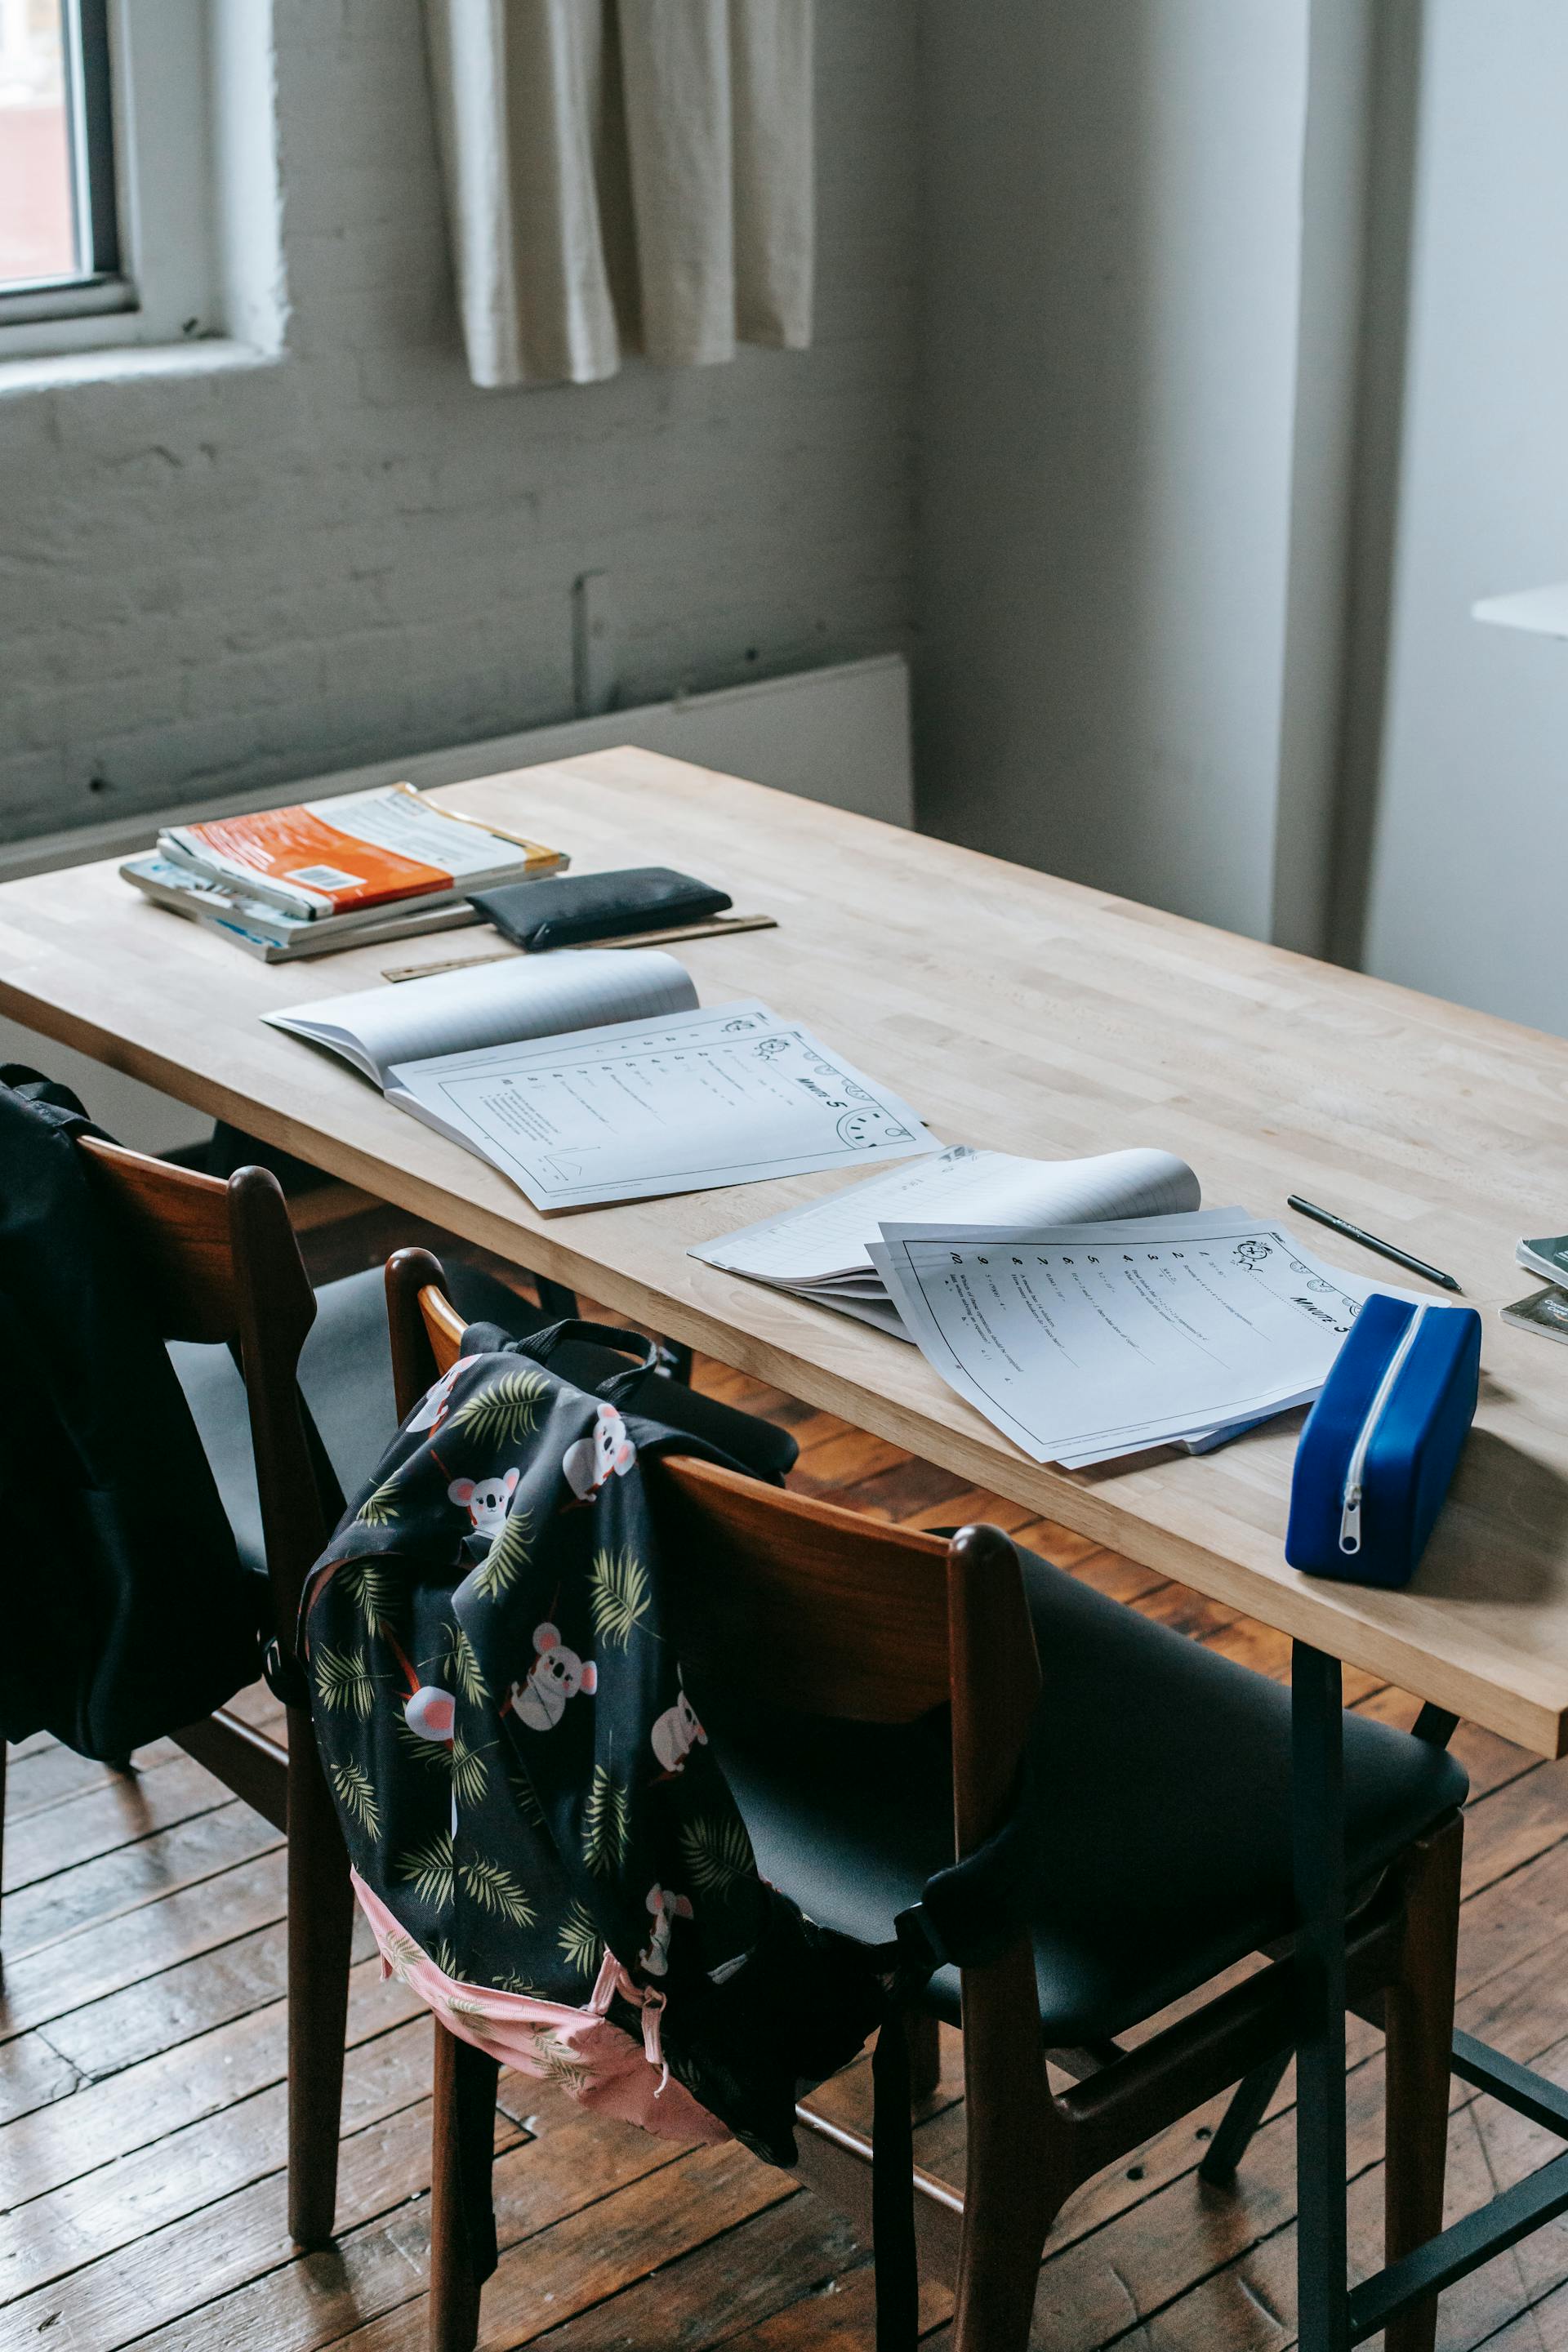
point(379, 1511)
point(495, 1888)
point(463, 1670)
point(607, 1823)
point(524, 1799)
point(444, 1952)
point(344, 1682)
point(356, 1794)
point(619, 1596)
point(428, 1870)
point(506, 1560)
point(400, 1952)
point(718, 1854)
point(503, 1412)
point(468, 1770)
point(558, 2062)
point(368, 1583)
point(579, 1941)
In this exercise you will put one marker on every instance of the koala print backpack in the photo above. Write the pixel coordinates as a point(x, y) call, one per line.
point(542, 1838)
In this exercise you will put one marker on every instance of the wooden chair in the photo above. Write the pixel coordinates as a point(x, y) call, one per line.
point(223, 1265)
point(855, 1635)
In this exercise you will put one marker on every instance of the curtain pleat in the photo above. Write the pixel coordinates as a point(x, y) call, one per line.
point(624, 175)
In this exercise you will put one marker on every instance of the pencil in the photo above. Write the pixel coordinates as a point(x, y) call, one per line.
point(1370, 1241)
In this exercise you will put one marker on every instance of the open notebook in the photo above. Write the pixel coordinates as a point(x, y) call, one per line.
point(591, 1076)
point(823, 1251)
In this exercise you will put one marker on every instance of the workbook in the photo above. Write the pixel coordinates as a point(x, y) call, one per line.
point(484, 1004)
point(592, 1074)
point(823, 1251)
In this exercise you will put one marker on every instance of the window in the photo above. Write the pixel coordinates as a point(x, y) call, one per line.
point(59, 231)
point(138, 187)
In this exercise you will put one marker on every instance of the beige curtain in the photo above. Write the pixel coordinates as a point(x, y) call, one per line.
point(624, 175)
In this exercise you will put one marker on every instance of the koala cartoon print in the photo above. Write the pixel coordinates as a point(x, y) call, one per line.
point(432, 1409)
point(556, 1674)
point(485, 1500)
point(676, 1733)
point(592, 1462)
point(666, 1909)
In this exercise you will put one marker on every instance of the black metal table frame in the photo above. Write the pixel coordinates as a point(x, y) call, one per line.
point(1331, 2316)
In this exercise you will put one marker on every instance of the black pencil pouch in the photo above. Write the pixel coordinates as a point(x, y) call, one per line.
point(563, 910)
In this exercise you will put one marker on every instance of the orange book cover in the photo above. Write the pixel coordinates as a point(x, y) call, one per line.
point(295, 845)
point(357, 851)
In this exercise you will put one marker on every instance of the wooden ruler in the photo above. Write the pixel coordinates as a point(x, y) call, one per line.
point(717, 927)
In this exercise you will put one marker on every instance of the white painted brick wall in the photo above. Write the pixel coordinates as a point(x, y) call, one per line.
point(211, 580)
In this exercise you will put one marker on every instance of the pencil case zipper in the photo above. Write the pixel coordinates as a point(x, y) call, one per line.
point(1350, 1508)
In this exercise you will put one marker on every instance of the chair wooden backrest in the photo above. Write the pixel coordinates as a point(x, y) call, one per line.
point(811, 1606)
point(218, 1263)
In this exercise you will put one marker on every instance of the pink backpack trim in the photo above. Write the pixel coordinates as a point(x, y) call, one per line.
point(593, 2061)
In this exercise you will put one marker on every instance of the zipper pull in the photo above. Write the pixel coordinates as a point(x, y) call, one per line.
point(1349, 1520)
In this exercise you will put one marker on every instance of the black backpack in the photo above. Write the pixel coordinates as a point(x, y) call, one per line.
point(128, 1613)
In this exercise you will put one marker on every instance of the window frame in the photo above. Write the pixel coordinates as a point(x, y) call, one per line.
point(140, 81)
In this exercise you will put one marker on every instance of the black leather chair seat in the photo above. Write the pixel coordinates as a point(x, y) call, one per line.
point(345, 1373)
point(1164, 1779)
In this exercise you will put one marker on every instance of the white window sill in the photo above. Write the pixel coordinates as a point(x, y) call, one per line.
point(130, 364)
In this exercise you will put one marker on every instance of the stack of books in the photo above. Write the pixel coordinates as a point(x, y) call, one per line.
point(1544, 1311)
point(354, 871)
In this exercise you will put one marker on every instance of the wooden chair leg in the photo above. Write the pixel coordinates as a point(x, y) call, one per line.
point(1018, 2171)
point(462, 2121)
point(924, 2035)
point(321, 1928)
point(1419, 2023)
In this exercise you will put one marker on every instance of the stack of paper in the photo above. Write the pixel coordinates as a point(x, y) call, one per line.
point(1084, 1342)
point(823, 1251)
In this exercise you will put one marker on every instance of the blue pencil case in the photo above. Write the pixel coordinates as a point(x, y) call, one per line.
point(1382, 1441)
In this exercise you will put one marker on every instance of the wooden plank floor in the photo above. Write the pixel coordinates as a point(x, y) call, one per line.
point(141, 2106)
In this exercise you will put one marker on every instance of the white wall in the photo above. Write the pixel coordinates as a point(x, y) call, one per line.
point(215, 579)
point(1469, 833)
point(1112, 223)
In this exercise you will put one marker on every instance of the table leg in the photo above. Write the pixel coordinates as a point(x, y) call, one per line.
point(1318, 1856)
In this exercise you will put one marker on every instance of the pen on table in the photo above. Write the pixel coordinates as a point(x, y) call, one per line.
point(1370, 1241)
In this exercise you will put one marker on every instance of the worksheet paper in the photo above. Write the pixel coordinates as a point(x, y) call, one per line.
point(728, 1096)
point(821, 1251)
point(1086, 1342)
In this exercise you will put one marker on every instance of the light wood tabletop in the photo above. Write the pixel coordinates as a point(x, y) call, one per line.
point(1013, 1011)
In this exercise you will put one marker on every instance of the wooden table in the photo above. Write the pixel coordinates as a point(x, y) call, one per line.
point(1037, 1017)
point(1014, 1010)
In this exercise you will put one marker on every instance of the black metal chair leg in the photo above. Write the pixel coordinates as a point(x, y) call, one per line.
point(1249, 2106)
point(1322, 2300)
